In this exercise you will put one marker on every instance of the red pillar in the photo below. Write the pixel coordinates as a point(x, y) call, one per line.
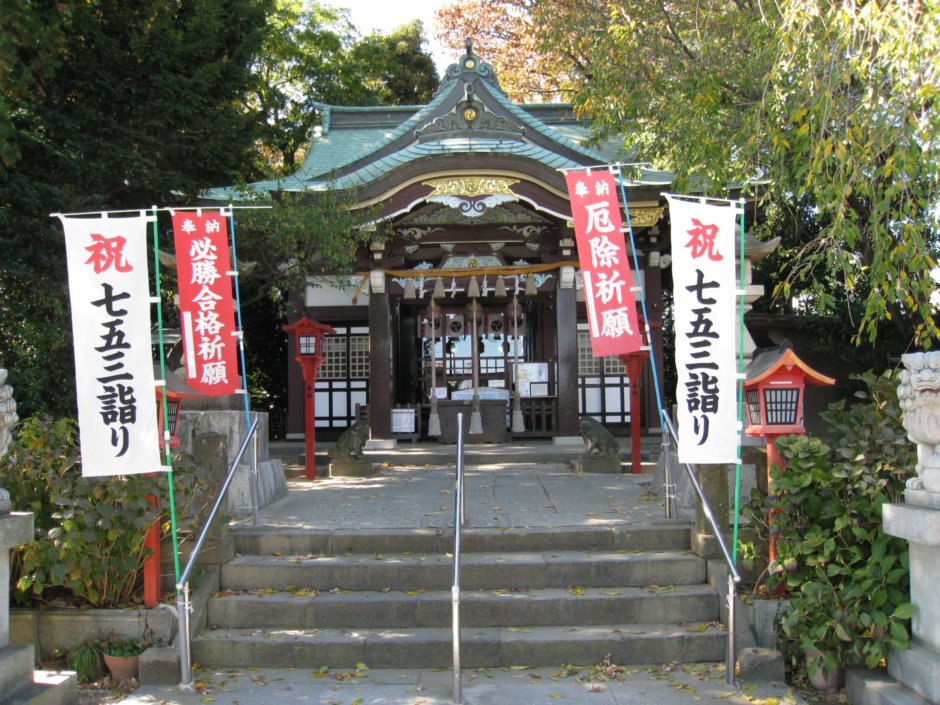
point(773, 458)
point(633, 362)
point(152, 561)
point(310, 431)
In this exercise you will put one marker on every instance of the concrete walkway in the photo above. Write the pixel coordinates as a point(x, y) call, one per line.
point(506, 490)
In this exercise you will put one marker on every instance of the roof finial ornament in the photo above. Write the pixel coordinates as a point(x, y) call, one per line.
point(469, 46)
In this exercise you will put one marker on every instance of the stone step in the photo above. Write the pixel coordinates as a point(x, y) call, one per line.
point(16, 667)
point(479, 571)
point(481, 647)
point(492, 608)
point(273, 540)
point(875, 687)
point(47, 688)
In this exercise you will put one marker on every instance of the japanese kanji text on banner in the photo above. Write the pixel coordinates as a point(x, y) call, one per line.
point(703, 271)
point(605, 270)
point(108, 288)
point(207, 314)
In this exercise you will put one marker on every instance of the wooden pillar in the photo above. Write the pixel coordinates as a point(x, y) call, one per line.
point(653, 280)
point(566, 324)
point(380, 363)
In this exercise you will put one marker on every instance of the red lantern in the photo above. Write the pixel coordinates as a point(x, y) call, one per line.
point(308, 345)
point(774, 387)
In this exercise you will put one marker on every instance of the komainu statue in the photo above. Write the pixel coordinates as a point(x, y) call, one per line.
point(598, 439)
point(919, 396)
point(351, 442)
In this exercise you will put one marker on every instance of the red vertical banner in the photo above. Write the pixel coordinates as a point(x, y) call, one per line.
point(207, 313)
point(605, 269)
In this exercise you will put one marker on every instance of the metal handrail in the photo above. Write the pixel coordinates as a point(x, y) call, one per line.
point(459, 516)
point(733, 578)
point(183, 607)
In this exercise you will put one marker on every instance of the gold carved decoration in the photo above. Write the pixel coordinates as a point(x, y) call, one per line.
point(640, 217)
point(645, 217)
point(472, 186)
point(470, 114)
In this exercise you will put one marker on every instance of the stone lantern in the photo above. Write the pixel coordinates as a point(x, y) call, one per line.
point(308, 336)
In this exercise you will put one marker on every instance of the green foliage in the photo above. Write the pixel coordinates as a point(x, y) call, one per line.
point(90, 532)
point(85, 660)
point(123, 647)
point(848, 581)
point(397, 68)
point(831, 102)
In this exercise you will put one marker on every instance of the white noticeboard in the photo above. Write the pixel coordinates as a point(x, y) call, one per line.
point(403, 420)
point(530, 372)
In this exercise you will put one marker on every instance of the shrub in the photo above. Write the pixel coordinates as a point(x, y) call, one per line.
point(848, 580)
point(89, 545)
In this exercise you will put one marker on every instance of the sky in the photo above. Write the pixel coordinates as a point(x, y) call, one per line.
point(385, 15)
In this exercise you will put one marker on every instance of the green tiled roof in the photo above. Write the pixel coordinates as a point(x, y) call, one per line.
point(345, 152)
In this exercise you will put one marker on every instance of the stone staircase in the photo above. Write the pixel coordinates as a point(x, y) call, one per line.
point(536, 597)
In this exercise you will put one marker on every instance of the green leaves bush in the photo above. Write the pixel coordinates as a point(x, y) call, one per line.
point(89, 544)
point(848, 580)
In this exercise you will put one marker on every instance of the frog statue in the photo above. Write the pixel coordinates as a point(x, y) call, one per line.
point(598, 439)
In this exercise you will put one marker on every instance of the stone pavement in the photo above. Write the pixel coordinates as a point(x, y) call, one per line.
point(503, 492)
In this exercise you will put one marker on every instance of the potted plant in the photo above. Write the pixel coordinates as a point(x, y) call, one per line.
point(816, 625)
point(122, 657)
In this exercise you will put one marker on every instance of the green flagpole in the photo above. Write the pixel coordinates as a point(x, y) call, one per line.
point(737, 473)
point(166, 417)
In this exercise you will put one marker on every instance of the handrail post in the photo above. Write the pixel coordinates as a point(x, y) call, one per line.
point(186, 661)
point(733, 577)
point(455, 589)
point(183, 606)
point(255, 479)
point(669, 487)
point(732, 645)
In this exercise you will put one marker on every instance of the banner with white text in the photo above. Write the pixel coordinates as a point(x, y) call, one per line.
point(110, 302)
point(704, 290)
point(207, 312)
point(605, 270)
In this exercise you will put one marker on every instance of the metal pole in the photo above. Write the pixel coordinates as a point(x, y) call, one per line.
point(255, 479)
point(455, 589)
point(732, 646)
point(669, 487)
point(186, 663)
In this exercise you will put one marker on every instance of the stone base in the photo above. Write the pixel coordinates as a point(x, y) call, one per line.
point(567, 441)
point(598, 464)
point(351, 468)
point(918, 668)
point(271, 486)
point(381, 444)
point(922, 498)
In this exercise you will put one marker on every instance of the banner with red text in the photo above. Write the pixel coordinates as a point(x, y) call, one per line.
point(605, 270)
point(704, 290)
point(114, 383)
point(207, 313)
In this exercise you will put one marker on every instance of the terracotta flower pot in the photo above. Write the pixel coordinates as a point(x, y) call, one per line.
point(823, 680)
point(122, 668)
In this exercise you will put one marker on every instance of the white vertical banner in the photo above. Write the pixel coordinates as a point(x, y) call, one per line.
point(703, 270)
point(110, 300)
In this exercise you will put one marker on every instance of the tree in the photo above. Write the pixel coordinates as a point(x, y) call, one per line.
point(397, 68)
point(135, 104)
point(504, 34)
point(834, 102)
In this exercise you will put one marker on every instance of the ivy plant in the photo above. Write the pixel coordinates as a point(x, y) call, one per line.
point(89, 532)
point(848, 581)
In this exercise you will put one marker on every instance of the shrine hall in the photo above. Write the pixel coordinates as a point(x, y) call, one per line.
point(470, 287)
